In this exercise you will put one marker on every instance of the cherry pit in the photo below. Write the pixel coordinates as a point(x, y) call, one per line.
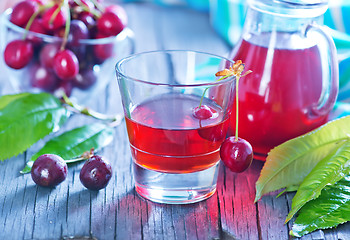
point(63, 62)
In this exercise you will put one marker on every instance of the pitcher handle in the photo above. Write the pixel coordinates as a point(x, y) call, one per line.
point(330, 92)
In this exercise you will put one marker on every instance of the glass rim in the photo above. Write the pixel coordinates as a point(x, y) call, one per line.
point(49, 38)
point(132, 56)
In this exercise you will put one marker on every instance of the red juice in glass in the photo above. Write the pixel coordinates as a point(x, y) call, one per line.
point(166, 137)
point(275, 100)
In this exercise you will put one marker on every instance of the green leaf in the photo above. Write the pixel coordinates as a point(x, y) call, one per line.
point(74, 143)
point(25, 119)
point(6, 99)
point(330, 209)
point(289, 163)
point(327, 172)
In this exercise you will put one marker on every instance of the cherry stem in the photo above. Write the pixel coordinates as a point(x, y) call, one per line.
point(55, 13)
point(115, 120)
point(237, 82)
point(86, 9)
point(206, 89)
point(86, 155)
point(98, 6)
point(32, 18)
point(67, 26)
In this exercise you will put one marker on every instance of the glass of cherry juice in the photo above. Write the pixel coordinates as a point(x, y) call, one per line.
point(176, 122)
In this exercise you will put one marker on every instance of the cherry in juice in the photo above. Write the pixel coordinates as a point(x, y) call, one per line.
point(276, 99)
point(165, 136)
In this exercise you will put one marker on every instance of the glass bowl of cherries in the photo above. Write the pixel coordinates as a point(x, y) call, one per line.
point(68, 46)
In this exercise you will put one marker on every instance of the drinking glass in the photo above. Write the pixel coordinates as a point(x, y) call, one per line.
point(175, 150)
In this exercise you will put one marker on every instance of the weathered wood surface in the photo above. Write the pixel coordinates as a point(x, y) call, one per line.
point(70, 211)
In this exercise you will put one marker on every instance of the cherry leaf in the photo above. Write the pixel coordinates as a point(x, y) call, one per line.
point(289, 163)
point(327, 172)
point(74, 143)
point(26, 118)
point(330, 209)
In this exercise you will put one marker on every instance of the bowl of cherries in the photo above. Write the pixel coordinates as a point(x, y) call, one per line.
point(68, 46)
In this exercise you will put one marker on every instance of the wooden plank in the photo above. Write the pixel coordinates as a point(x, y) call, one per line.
point(238, 212)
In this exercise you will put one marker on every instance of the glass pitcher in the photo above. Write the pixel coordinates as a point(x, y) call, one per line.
point(294, 83)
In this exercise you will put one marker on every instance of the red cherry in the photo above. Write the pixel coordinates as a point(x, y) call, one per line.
point(110, 24)
point(57, 22)
point(87, 19)
point(85, 79)
point(119, 11)
point(49, 170)
point(22, 12)
point(36, 27)
point(96, 173)
point(43, 78)
point(48, 53)
point(18, 53)
point(103, 51)
point(66, 65)
point(203, 112)
point(66, 87)
point(237, 155)
point(216, 133)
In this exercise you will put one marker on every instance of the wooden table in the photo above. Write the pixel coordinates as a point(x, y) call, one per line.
point(70, 211)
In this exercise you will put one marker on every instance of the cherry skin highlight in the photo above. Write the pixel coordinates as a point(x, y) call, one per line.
point(237, 155)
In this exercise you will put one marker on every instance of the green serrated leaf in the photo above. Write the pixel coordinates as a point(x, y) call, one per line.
point(289, 163)
point(327, 172)
point(74, 143)
point(25, 119)
point(330, 209)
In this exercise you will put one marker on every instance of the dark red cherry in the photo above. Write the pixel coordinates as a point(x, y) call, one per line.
point(48, 53)
point(78, 30)
point(43, 78)
point(49, 170)
point(103, 51)
point(85, 79)
point(236, 155)
point(87, 19)
point(203, 112)
point(65, 87)
point(96, 173)
point(18, 53)
point(109, 24)
point(36, 27)
point(66, 65)
point(119, 11)
point(214, 133)
point(51, 22)
point(22, 12)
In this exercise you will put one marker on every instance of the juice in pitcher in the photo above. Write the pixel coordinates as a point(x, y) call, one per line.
point(293, 85)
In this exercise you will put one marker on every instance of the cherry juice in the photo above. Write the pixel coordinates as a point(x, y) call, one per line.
point(276, 99)
point(165, 136)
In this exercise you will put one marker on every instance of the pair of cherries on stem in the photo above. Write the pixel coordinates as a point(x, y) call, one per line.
point(235, 152)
